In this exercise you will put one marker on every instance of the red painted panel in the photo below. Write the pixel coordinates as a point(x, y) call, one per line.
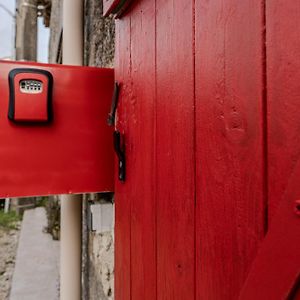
point(276, 269)
point(229, 142)
point(283, 73)
point(123, 192)
point(72, 154)
point(142, 152)
point(175, 150)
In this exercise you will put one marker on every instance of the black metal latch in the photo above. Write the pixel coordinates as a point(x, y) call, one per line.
point(120, 151)
point(119, 144)
point(112, 115)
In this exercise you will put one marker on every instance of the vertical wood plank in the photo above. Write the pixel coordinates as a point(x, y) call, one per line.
point(283, 73)
point(229, 142)
point(123, 192)
point(175, 150)
point(142, 149)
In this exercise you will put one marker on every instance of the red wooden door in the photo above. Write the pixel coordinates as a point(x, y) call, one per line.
point(230, 155)
point(209, 116)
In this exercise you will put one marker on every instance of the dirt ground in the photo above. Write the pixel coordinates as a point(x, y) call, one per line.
point(8, 249)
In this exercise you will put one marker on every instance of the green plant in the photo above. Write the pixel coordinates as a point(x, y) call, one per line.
point(9, 220)
point(41, 201)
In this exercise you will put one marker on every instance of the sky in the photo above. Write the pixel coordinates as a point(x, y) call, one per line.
point(7, 33)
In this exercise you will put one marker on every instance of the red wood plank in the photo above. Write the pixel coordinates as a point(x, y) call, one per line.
point(123, 192)
point(175, 150)
point(109, 6)
point(283, 63)
point(276, 269)
point(142, 149)
point(229, 142)
point(283, 73)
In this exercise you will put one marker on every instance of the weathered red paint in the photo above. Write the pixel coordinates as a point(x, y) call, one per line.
point(275, 271)
point(141, 134)
point(283, 71)
point(123, 191)
point(73, 153)
point(284, 123)
point(175, 167)
point(209, 112)
point(229, 144)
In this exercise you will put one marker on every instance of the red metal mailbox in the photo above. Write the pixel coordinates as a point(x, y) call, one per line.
point(53, 131)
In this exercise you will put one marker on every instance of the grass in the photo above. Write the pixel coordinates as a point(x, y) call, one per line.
point(9, 220)
point(41, 201)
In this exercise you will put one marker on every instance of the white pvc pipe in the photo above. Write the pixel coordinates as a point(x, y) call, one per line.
point(70, 247)
point(71, 205)
point(73, 32)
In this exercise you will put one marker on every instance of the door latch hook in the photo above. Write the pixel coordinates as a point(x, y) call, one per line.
point(120, 151)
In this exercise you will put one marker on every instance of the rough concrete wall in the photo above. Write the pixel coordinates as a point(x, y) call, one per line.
point(101, 248)
point(99, 36)
point(101, 268)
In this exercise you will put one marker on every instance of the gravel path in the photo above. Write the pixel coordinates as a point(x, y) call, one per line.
point(8, 249)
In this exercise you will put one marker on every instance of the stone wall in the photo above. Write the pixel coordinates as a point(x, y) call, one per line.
point(99, 36)
point(100, 258)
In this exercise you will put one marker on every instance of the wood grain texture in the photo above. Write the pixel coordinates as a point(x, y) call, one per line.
point(123, 192)
point(283, 72)
point(229, 143)
point(247, 147)
point(141, 138)
point(275, 272)
point(175, 150)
